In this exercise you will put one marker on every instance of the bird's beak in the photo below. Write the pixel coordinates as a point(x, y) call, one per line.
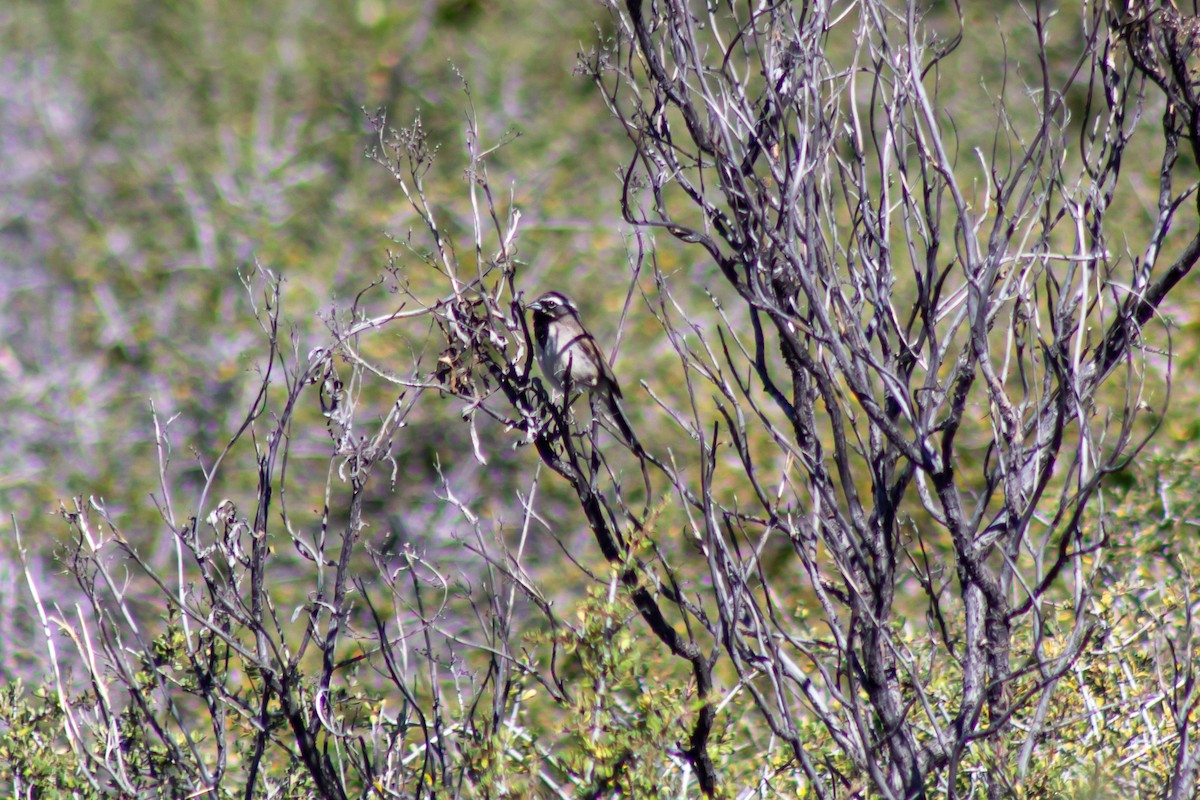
point(536, 305)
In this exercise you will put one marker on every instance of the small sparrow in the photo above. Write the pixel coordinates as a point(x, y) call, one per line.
point(569, 356)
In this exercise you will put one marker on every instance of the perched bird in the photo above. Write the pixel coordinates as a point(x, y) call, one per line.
point(570, 357)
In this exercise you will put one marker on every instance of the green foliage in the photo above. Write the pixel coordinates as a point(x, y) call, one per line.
point(34, 755)
point(618, 745)
point(1109, 730)
point(624, 723)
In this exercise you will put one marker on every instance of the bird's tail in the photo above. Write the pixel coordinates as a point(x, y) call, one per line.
point(614, 410)
point(618, 416)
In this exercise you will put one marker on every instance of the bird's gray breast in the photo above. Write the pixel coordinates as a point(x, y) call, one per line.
point(562, 353)
point(544, 349)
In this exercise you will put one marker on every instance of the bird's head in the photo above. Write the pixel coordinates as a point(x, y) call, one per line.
point(554, 305)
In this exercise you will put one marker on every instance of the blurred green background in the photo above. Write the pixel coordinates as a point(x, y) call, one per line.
point(153, 151)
